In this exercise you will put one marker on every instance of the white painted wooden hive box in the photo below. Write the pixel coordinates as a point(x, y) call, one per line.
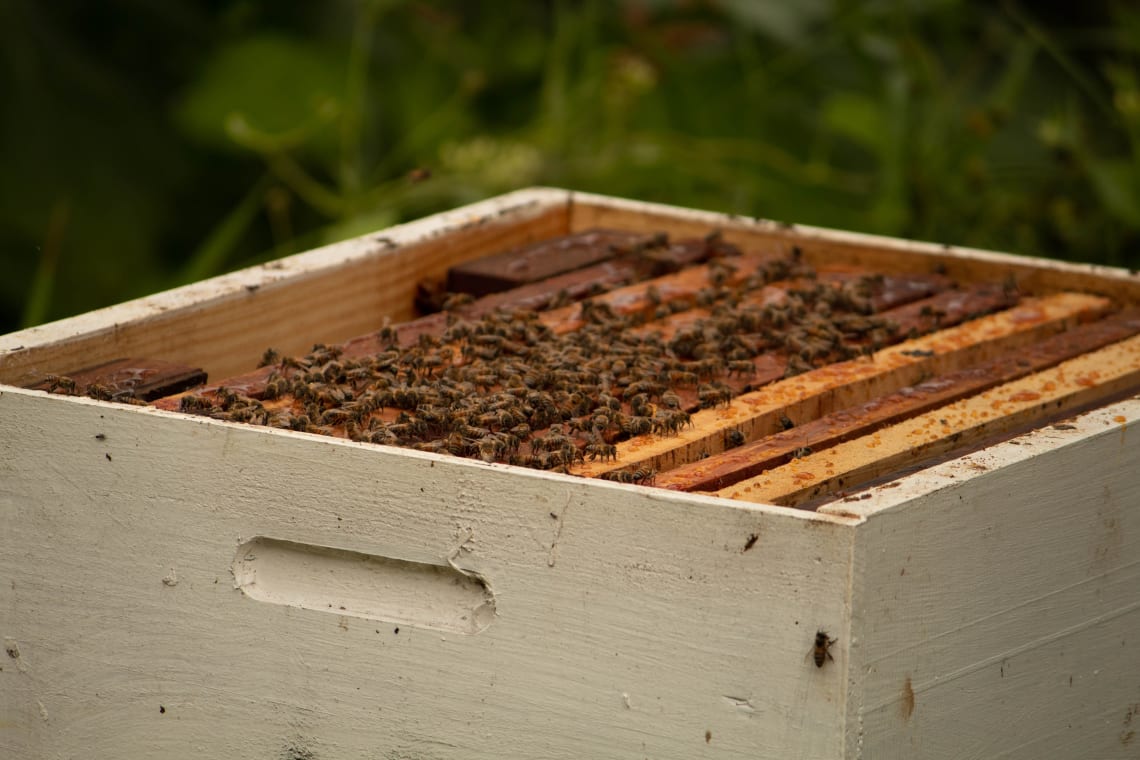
point(948, 488)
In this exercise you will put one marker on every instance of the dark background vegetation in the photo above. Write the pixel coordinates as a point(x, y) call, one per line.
point(149, 143)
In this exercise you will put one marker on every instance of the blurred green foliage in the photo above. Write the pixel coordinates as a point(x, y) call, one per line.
point(148, 143)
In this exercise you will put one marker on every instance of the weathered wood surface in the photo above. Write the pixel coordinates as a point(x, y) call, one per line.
point(997, 599)
point(632, 623)
point(538, 261)
point(843, 384)
point(628, 622)
point(1098, 375)
point(571, 286)
point(225, 323)
point(824, 247)
point(751, 459)
point(142, 379)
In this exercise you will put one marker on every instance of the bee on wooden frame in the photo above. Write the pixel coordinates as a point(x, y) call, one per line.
point(61, 384)
point(644, 475)
point(733, 439)
point(741, 367)
point(271, 356)
point(100, 392)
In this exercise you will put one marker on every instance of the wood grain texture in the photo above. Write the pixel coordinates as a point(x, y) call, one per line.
point(997, 599)
point(1070, 385)
point(843, 384)
point(874, 252)
point(985, 608)
point(538, 261)
point(752, 459)
point(326, 295)
point(143, 379)
point(223, 324)
point(629, 623)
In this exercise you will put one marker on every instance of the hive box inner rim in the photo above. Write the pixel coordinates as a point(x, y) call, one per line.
point(99, 335)
point(547, 212)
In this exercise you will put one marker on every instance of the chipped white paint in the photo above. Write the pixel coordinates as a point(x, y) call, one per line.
point(996, 602)
point(646, 628)
point(982, 608)
point(348, 288)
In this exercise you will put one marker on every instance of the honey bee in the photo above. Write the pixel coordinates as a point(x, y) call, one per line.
point(707, 296)
point(637, 425)
point(720, 272)
point(275, 387)
point(797, 366)
point(644, 475)
point(707, 368)
point(491, 448)
point(821, 649)
point(713, 395)
point(601, 450)
point(99, 391)
point(335, 416)
point(194, 404)
point(670, 421)
point(741, 367)
point(269, 357)
point(61, 384)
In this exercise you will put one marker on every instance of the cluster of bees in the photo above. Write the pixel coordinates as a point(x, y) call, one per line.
point(506, 388)
point(69, 386)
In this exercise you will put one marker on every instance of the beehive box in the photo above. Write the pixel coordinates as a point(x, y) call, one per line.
point(178, 585)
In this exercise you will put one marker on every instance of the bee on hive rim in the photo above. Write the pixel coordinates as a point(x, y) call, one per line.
point(61, 384)
point(271, 356)
point(100, 391)
point(644, 475)
point(821, 648)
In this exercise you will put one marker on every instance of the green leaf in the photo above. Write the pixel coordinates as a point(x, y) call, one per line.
point(856, 117)
point(1117, 183)
point(269, 93)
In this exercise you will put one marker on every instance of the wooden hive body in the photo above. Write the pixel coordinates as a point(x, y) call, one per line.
point(177, 586)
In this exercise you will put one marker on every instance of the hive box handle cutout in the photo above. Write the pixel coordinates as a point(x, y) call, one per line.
point(342, 582)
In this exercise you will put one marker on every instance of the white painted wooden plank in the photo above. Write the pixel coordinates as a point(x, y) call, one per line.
point(631, 625)
point(328, 294)
point(983, 585)
point(222, 324)
point(591, 209)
